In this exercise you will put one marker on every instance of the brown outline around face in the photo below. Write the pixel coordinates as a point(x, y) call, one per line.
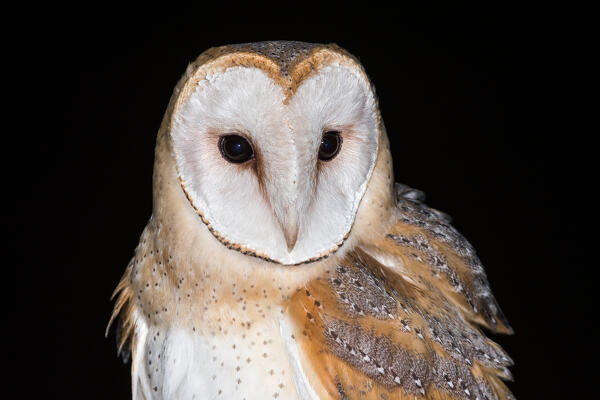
point(289, 68)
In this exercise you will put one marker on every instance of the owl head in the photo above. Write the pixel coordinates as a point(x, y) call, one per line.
point(273, 146)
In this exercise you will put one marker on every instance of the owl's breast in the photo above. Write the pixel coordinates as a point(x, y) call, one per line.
point(235, 361)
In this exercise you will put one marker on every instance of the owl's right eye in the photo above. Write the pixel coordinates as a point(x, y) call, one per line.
point(235, 149)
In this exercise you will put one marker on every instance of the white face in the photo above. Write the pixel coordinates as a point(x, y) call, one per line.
point(286, 202)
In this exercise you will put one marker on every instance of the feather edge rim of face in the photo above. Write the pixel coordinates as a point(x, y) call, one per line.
point(319, 57)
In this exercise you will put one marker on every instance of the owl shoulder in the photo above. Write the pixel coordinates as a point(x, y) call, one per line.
point(401, 317)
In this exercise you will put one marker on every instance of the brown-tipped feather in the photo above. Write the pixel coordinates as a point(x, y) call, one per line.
point(123, 310)
point(433, 253)
point(364, 332)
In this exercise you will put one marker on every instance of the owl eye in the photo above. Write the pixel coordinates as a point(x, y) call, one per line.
point(330, 145)
point(235, 149)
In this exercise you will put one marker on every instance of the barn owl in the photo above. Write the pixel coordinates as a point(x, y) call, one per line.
point(281, 261)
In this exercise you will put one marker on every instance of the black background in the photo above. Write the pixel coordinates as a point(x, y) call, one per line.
point(489, 109)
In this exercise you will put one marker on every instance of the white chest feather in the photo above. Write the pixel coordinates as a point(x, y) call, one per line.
point(254, 363)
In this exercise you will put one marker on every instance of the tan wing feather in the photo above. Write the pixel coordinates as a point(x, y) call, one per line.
point(376, 331)
point(433, 253)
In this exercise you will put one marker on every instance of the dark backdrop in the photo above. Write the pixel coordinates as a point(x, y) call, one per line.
point(488, 110)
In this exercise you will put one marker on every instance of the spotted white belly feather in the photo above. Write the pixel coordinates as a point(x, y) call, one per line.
point(180, 363)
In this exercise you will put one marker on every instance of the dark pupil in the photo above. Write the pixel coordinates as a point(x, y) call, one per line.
point(235, 148)
point(330, 145)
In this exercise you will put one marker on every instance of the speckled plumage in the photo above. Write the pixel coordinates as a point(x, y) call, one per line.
point(392, 311)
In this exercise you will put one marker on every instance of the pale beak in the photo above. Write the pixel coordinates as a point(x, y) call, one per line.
point(290, 227)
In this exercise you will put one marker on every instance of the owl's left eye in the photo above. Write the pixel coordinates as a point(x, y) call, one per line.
point(331, 142)
point(235, 149)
